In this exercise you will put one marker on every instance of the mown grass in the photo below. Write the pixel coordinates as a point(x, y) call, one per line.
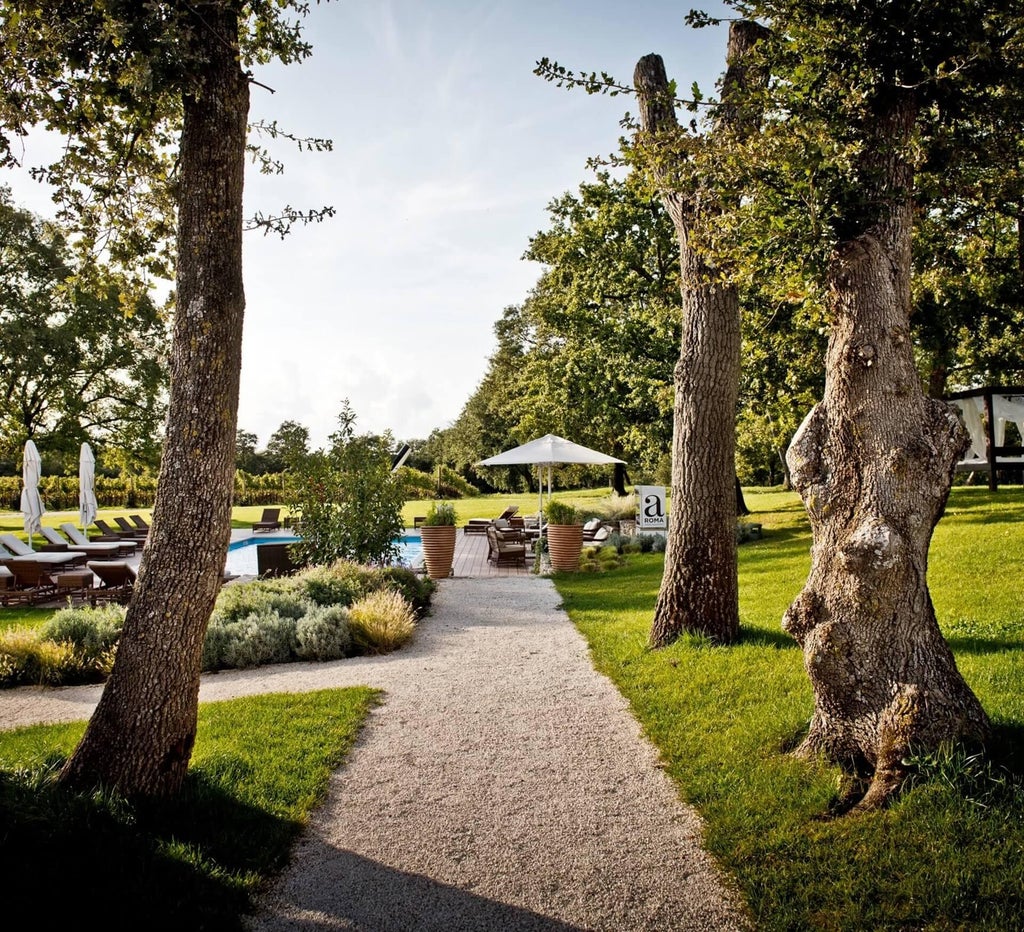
point(260, 765)
point(950, 853)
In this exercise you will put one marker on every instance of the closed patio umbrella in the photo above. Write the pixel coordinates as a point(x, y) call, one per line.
point(549, 450)
point(31, 504)
point(87, 505)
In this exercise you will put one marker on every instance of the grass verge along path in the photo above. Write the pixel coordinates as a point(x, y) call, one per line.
point(260, 765)
point(950, 853)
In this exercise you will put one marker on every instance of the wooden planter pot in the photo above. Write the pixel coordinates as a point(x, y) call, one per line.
point(565, 543)
point(438, 550)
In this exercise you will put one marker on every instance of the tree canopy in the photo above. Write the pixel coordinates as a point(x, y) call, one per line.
point(81, 357)
point(153, 102)
point(589, 353)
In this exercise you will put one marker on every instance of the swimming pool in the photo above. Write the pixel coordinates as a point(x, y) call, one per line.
point(241, 559)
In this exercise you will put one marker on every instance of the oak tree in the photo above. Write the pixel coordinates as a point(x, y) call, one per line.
point(873, 461)
point(153, 100)
point(699, 589)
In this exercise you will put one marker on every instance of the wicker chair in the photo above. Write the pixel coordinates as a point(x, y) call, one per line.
point(505, 549)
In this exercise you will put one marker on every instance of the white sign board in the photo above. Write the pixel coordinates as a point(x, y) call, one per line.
point(651, 513)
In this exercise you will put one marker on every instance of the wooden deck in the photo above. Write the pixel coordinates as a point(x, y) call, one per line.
point(471, 558)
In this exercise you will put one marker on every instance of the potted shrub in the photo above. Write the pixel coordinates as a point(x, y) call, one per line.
point(565, 536)
point(438, 531)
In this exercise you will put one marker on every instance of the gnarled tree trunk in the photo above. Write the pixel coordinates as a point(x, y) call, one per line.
point(140, 737)
point(873, 463)
point(699, 588)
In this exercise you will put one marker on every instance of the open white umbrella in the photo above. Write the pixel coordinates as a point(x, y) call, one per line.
point(87, 506)
point(549, 450)
point(31, 504)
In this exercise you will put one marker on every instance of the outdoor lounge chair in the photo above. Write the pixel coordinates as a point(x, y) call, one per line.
point(110, 533)
point(591, 527)
point(34, 582)
point(125, 547)
point(139, 522)
point(270, 521)
point(116, 582)
point(479, 525)
point(505, 549)
point(99, 550)
point(129, 529)
point(600, 536)
point(18, 550)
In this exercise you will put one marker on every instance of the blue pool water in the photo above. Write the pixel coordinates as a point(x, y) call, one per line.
point(241, 559)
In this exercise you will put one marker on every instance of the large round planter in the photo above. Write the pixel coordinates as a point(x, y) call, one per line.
point(438, 549)
point(565, 543)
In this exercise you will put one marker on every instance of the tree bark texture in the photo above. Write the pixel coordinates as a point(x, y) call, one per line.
point(699, 589)
point(873, 463)
point(141, 735)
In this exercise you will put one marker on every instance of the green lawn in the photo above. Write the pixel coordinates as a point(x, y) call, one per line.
point(260, 765)
point(950, 854)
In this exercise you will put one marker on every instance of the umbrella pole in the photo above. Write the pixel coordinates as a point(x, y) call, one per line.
point(540, 495)
point(549, 482)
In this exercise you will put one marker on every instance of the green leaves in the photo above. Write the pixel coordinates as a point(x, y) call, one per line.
point(348, 498)
point(82, 355)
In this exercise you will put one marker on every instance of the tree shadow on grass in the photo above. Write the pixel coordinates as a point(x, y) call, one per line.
point(761, 637)
point(97, 860)
point(1007, 747)
point(978, 646)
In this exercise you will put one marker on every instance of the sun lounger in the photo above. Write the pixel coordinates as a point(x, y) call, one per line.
point(110, 533)
point(129, 529)
point(16, 549)
point(270, 521)
point(125, 547)
point(116, 582)
point(99, 550)
point(479, 525)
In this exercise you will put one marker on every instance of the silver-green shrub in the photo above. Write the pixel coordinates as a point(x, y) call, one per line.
point(259, 597)
point(323, 633)
point(258, 639)
point(92, 631)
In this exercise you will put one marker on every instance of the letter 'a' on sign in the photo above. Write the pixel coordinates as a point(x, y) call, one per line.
point(651, 507)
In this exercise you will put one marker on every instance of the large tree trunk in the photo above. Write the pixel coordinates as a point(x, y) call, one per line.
point(873, 463)
point(140, 737)
point(699, 589)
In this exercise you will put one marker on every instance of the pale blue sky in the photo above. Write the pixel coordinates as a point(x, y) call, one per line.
point(447, 149)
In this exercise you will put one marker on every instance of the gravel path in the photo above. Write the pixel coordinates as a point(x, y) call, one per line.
point(503, 785)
